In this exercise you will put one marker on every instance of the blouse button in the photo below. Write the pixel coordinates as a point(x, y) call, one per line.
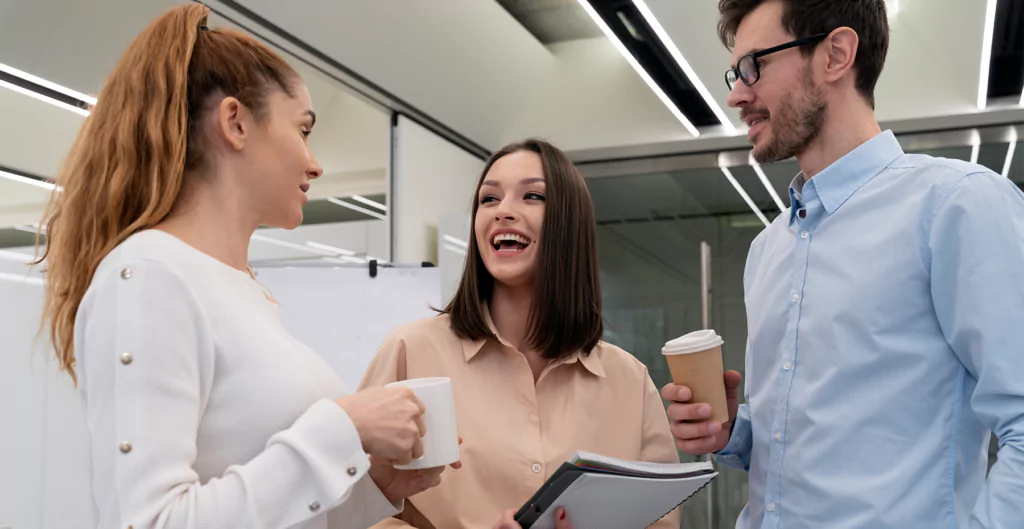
point(125, 447)
point(126, 273)
point(126, 358)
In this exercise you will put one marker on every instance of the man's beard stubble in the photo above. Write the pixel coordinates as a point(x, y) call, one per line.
point(794, 126)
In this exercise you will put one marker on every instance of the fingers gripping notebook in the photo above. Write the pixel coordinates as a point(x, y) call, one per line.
point(606, 493)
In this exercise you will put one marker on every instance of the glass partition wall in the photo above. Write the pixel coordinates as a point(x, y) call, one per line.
point(653, 214)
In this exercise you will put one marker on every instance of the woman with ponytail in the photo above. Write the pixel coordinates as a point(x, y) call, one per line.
point(203, 412)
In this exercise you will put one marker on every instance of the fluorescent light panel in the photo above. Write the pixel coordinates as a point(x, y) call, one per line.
point(743, 193)
point(639, 69)
point(354, 207)
point(681, 61)
point(371, 203)
point(292, 245)
point(455, 249)
point(44, 99)
point(767, 185)
point(1009, 154)
point(457, 242)
point(333, 249)
point(26, 180)
point(975, 149)
point(17, 257)
point(31, 228)
point(52, 86)
point(17, 278)
point(986, 53)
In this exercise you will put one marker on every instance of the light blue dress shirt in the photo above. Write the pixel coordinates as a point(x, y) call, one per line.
point(885, 315)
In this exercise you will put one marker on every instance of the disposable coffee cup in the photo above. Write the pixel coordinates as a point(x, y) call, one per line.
point(441, 444)
point(695, 361)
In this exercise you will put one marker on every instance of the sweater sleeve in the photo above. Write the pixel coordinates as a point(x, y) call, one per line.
point(146, 360)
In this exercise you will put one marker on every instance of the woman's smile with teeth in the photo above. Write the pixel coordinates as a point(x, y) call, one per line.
point(509, 242)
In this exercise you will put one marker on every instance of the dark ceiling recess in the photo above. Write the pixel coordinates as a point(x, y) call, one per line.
point(553, 21)
point(1006, 69)
point(633, 31)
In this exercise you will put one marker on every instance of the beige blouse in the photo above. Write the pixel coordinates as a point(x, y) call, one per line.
point(516, 433)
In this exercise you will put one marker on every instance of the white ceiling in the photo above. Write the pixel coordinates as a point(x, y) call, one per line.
point(466, 63)
point(76, 44)
point(471, 66)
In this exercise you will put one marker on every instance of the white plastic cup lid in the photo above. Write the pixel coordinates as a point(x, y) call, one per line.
point(693, 343)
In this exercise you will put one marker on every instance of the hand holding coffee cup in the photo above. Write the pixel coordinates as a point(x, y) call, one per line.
point(441, 440)
point(694, 434)
point(389, 422)
point(705, 399)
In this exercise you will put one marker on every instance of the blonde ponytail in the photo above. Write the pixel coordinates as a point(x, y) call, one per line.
point(125, 169)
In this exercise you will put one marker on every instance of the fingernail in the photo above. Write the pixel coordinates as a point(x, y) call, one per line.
point(709, 440)
point(714, 427)
point(561, 516)
point(705, 411)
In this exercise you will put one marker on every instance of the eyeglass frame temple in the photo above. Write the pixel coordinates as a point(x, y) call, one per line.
point(755, 55)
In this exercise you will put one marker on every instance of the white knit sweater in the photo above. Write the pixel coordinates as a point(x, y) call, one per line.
point(203, 411)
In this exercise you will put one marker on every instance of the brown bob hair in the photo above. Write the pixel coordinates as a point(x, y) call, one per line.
point(565, 315)
point(126, 167)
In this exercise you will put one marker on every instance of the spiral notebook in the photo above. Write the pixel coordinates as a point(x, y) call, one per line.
point(601, 492)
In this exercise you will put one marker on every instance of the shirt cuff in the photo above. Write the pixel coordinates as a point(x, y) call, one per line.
point(736, 454)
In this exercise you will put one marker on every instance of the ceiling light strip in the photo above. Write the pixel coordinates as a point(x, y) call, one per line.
point(354, 207)
point(22, 179)
point(327, 248)
point(1009, 155)
point(17, 278)
point(681, 61)
point(457, 242)
point(371, 203)
point(455, 249)
point(743, 193)
point(767, 185)
point(292, 245)
point(986, 53)
point(85, 98)
point(639, 69)
point(44, 99)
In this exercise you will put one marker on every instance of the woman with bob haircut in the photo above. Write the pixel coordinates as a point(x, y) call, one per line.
point(521, 342)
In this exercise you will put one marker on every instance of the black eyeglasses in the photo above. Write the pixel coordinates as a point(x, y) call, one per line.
point(748, 68)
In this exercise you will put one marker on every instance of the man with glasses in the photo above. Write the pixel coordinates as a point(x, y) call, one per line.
point(885, 308)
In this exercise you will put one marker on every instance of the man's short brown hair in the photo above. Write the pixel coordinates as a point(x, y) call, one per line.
point(804, 18)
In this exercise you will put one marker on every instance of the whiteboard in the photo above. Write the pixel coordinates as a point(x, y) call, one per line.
point(344, 315)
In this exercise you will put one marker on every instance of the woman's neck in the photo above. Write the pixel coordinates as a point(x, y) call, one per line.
point(211, 220)
point(510, 312)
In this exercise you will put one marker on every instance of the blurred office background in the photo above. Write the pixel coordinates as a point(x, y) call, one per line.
point(411, 96)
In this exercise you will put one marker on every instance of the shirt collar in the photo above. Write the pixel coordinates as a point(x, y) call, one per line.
point(839, 181)
point(470, 348)
point(796, 188)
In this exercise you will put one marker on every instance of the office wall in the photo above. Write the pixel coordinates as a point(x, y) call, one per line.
point(430, 178)
point(43, 440)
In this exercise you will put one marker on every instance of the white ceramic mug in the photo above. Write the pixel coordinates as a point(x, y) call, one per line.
point(441, 444)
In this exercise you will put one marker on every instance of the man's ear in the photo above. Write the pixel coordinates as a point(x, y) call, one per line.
point(841, 53)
